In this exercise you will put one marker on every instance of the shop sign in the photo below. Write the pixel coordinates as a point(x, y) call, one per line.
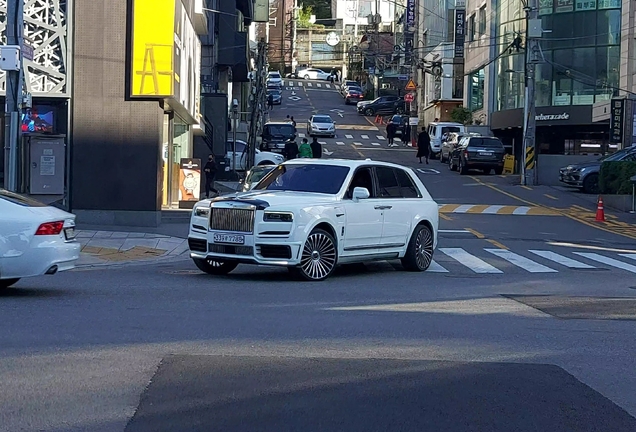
point(189, 179)
point(546, 7)
point(547, 117)
point(460, 27)
point(616, 120)
point(410, 14)
point(585, 5)
point(564, 6)
point(609, 4)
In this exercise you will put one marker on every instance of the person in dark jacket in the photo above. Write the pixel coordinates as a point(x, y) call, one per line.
point(390, 131)
point(423, 145)
point(316, 148)
point(210, 173)
point(406, 134)
point(291, 150)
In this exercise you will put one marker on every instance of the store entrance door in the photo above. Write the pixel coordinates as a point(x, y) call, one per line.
point(176, 145)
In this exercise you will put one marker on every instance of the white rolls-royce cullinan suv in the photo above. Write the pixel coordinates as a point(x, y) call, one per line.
point(311, 214)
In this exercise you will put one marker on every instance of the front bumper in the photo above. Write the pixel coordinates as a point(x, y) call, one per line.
point(484, 164)
point(571, 179)
point(322, 132)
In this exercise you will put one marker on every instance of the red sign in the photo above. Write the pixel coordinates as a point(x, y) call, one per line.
point(408, 97)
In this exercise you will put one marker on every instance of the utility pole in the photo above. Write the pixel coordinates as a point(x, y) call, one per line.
point(258, 102)
point(15, 36)
point(294, 60)
point(410, 25)
point(529, 171)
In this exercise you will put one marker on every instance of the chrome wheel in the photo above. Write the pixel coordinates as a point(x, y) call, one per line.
point(424, 249)
point(319, 256)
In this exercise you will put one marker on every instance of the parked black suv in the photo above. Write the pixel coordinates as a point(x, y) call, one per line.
point(478, 152)
point(382, 105)
point(276, 134)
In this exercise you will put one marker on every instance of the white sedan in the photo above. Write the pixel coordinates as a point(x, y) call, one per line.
point(274, 77)
point(35, 239)
point(321, 125)
point(314, 74)
point(311, 214)
point(240, 157)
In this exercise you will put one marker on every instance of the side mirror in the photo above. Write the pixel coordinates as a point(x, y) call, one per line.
point(360, 193)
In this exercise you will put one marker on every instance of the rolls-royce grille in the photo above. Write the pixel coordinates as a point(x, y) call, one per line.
point(232, 219)
point(230, 249)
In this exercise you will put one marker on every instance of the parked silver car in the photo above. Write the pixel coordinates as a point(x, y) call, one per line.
point(585, 175)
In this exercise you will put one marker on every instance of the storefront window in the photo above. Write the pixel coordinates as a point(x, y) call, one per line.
point(476, 86)
point(609, 27)
point(583, 84)
point(543, 83)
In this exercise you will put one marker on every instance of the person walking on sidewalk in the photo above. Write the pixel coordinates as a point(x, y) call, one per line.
point(291, 150)
point(210, 173)
point(316, 148)
point(390, 132)
point(423, 145)
point(270, 101)
point(304, 151)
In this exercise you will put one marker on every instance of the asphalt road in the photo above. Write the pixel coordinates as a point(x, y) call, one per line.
point(526, 322)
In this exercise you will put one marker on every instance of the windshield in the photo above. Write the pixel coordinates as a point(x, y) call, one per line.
point(322, 119)
point(274, 92)
point(19, 199)
point(447, 129)
point(326, 179)
point(256, 174)
point(279, 130)
point(274, 75)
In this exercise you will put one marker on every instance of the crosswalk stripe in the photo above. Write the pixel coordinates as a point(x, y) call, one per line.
point(308, 84)
point(364, 136)
point(318, 85)
point(375, 144)
point(436, 268)
point(357, 143)
point(301, 135)
point(463, 208)
point(380, 137)
point(521, 210)
point(521, 261)
point(328, 85)
point(472, 262)
point(340, 143)
point(560, 259)
point(609, 261)
point(632, 256)
point(493, 209)
point(349, 136)
point(322, 142)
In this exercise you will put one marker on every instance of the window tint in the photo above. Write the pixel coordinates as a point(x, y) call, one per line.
point(409, 190)
point(388, 186)
point(327, 179)
point(493, 143)
point(322, 119)
point(446, 129)
point(362, 178)
point(240, 147)
point(19, 199)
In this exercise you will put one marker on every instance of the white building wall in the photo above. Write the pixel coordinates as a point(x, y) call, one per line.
point(346, 11)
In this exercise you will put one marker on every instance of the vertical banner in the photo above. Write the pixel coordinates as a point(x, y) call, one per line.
point(460, 32)
point(189, 180)
point(408, 31)
point(616, 121)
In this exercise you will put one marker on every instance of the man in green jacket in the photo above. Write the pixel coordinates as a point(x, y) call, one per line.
point(304, 151)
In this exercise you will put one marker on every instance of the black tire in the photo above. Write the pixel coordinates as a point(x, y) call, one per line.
point(499, 171)
point(461, 168)
point(368, 112)
point(487, 171)
point(419, 253)
point(306, 77)
point(6, 283)
point(590, 184)
point(216, 268)
point(319, 257)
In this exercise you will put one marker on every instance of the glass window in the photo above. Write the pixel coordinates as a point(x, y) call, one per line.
point(362, 178)
point(543, 82)
point(476, 88)
point(583, 84)
point(482, 20)
point(240, 147)
point(493, 143)
point(409, 190)
point(608, 27)
point(585, 29)
point(471, 28)
point(562, 31)
point(388, 186)
point(326, 179)
point(562, 86)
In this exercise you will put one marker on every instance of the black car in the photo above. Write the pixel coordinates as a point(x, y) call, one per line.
point(382, 105)
point(402, 122)
point(277, 95)
point(353, 95)
point(478, 152)
point(276, 135)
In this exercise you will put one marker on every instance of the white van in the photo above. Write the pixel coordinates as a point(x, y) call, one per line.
point(438, 130)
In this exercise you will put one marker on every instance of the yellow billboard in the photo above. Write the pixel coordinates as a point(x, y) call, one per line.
point(153, 67)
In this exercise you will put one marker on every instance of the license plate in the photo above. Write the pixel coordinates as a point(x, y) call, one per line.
point(485, 154)
point(69, 233)
point(229, 238)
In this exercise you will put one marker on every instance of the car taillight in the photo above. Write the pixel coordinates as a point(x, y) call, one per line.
point(466, 154)
point(50, 228)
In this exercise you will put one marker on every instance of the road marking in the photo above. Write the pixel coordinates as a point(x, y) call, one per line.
point(496, 244)
point(364, 136)
point(472, 262)
point(349, 136)
point(521, 261)
point(309, 84)
point(445, 217)
point(340, 143)
point(455, 231)
point(527, 187)
point(631, 256)
point(551, 197)
point(609, 261)
point(463, 208)
point(357, 143)
point(380, 137)
point(560, 259)
point(357, 151)
point(327, 152)
point(318, 85)
point(375, 144)
point(301, 135)
point(522, 210)
point(322, 142)
point(497, 209)
point(427, 170)
point(475, 233)
point(436, 268)
point(294, 98)
point(493, 209)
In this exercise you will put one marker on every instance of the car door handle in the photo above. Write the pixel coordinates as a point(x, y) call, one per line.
point(383, 207)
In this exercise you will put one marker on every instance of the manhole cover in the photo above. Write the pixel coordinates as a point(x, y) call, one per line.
point(183, 272)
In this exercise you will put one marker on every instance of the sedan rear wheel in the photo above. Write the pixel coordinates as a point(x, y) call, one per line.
point(319, 256)
point(6, 283)
point(216, 268)
point(419, 253)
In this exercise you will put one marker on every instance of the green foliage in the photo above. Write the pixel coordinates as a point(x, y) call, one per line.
point(320, 8)
point(614, 177)
point(304, 15)
point(462, 115)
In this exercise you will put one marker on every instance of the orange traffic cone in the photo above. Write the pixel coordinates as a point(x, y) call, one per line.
point(600, 210)
point(378, 119)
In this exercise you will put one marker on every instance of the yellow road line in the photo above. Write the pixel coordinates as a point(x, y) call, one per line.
point(477, 209)
point(550, 196)
point(357, 151)
point(475, 233)
point(507, 210)
point(581, 208)
point(541, 211)
point(496, 244)
point(443, 216)
point(449, 208)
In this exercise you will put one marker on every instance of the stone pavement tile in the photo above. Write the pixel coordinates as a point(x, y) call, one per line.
point(106, 243)
point(119, 235)
point(169, 244)
point(103, 234)
point(85, 234)
point(132, 242)
point(183, 248)
point(155, 236)
point(136, 235)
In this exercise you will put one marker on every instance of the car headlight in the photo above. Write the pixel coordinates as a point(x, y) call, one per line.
point(279, 157)
point(201, 211)
point(278, 217)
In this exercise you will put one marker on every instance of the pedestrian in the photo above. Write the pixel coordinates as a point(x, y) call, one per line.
point(390, 132)
point(293, 121)
point(270, 101)
point(291, 150)
point(304, 151)
point(423, 145)
point(316, 148)
point(210, 172)
point(406, 134)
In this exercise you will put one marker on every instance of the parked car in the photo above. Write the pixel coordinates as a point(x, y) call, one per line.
point(478, 152)
point(321, 125)
point(353, 94)
point(277, 95)
point(254, 175)
point(35, 239)
point(274, 77)
point(347, 84)
point(240, 157)
point(276, 134)
point(311, 214)
point(585, 175)
point(402, 122)
point(451, 142)
point(437, 130)
point(382, 105)
point(313, 73)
